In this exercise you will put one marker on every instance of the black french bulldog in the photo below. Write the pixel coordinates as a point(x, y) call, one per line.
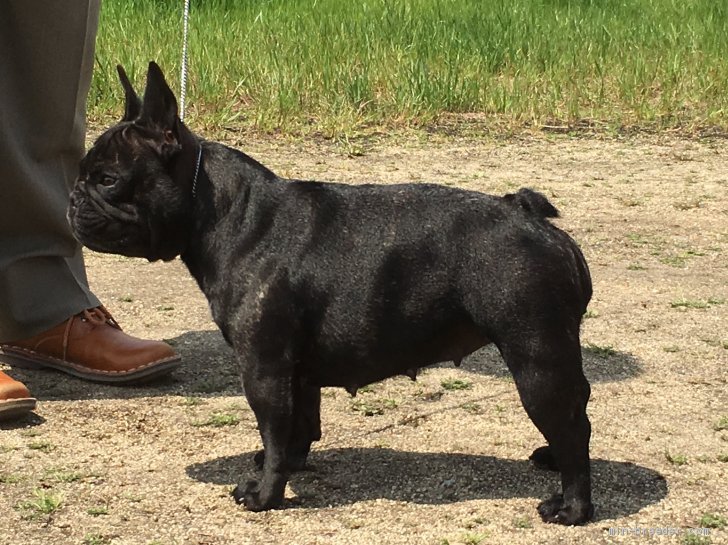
point(322, 284)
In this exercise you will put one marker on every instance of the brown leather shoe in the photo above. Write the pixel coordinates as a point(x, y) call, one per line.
point(15, 398)
point(91, 345)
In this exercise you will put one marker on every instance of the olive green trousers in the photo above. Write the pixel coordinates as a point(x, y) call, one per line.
point(46, 61)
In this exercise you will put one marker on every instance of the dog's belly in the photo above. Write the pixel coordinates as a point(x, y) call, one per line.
point(352, 369)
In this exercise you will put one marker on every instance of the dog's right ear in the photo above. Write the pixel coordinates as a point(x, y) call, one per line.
point(132, 106)
point(159, 108)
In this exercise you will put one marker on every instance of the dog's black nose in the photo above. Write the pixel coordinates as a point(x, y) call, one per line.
point(79, 188)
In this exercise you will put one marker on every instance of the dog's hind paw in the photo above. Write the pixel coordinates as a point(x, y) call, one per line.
point(554, 510)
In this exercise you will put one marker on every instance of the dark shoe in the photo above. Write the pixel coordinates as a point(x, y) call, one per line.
point(15, 400)
point(91, 345)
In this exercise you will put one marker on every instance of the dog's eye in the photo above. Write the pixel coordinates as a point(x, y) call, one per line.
point(108, 181)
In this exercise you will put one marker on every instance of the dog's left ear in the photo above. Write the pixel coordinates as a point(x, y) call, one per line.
point(132, 105)
point(159, 110)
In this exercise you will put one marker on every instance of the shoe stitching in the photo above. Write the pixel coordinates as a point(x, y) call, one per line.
point(40, 358)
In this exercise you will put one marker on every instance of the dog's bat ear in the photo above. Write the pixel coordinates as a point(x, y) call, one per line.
point(159, 108)
point(132, 106)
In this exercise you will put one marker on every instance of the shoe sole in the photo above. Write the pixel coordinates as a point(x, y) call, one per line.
point(14, 408)
point(28, 359)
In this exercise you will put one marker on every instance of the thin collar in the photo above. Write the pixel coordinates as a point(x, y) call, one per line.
point(197, 172)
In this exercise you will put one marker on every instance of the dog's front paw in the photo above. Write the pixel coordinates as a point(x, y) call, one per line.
point(249, 496)
point(556, 511)
point(239, 493)
point(253, 497)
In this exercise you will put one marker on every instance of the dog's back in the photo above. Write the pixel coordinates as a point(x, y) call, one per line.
point(386, 278)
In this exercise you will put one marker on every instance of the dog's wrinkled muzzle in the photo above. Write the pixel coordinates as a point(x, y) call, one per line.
point(102, 226)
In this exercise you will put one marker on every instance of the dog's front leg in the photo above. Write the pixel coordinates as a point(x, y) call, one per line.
point(269, 390)
point(306, 426)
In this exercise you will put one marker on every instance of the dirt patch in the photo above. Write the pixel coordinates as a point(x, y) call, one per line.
point(442, 460)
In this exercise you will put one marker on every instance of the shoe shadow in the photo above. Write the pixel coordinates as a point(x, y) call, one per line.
point(209, 369)
point(349, 475)
point(29, 420)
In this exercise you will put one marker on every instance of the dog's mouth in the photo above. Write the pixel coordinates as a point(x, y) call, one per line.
point(123, 212)
point(104, 227)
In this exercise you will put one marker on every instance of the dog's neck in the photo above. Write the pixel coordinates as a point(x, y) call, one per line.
point(231, 185)
point(184, 168)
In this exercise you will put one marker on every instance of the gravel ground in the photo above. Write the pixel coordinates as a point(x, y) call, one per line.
point(442, 460)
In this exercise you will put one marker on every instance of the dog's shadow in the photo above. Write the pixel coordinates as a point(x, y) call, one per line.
point(348, 475)
point(208, 370)
point(600, 364)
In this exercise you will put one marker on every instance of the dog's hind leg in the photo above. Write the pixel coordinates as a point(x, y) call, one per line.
point(549, 377)
point(306, 426)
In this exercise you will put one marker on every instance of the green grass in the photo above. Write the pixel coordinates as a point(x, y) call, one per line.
point(335, 67)
point(43, 446)
point(676, 459)
point(368, 389)
point(63, 476)
point(373, 407)
point(721, 424)
point(218, 420)
point(600, 351)
point(10, 478)
point(712, 520)
point(695, 539)
point(45, 503)
point(472, 407)
point(98, 511)
point(456, 384)
point(696, 303)
point(95, 539)
point(192, 401)
point(473, 538)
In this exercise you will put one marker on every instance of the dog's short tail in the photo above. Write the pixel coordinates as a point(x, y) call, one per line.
point(533, 202)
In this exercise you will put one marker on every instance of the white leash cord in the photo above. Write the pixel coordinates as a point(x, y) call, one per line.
point(183, 77)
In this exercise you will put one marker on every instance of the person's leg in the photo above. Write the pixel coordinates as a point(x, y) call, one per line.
point(48, 316)
point(47, 50)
